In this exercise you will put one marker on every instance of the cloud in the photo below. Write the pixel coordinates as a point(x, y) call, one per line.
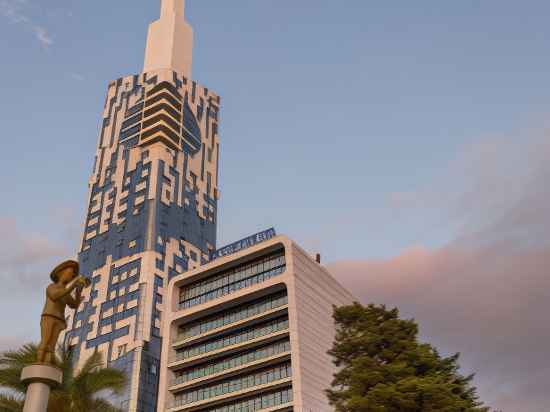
point(11, 343)
point(42, 36)
point(483, 183)
point(77, 76)
point(13, 11)
point(26, 258)
point(487, 293)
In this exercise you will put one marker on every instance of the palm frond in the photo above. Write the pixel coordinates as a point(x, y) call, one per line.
point(12, 363)
point(10, 403)
point(92, 363)
point(101, 405)
point(106, 379)
point(59, 402)
point(22, 356)
point(11, 379)
point(81, 389)
point(79, 385)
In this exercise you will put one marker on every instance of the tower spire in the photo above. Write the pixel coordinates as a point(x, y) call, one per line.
point(172, 6)
point(170, 40)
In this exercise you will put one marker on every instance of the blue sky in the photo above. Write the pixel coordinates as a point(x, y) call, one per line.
point(328, 110)
point(362, 129)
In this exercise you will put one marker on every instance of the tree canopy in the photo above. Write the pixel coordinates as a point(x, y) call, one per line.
point(383, 368)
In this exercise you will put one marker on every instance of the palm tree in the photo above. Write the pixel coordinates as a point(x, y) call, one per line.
point(79, 391)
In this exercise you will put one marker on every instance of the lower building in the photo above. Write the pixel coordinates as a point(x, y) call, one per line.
point(250, 332)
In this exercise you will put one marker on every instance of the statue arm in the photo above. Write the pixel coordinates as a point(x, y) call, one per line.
point(75, 302)
point(72, 302)
point(56, 293)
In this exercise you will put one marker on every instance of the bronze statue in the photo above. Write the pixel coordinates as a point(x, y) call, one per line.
point(65, 279)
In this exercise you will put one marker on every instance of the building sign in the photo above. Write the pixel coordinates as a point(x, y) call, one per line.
point(243, 244)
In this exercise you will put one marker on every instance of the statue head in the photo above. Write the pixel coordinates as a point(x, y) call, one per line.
point(65, 272)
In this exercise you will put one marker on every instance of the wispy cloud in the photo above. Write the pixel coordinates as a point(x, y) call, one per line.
point(484, 182)
point(14, 11)
point(77, 76)
point(43, 36)
point(26, 257)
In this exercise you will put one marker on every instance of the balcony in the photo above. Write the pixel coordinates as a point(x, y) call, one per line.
point(251, 321)
point(178, 362)
point(210, 404)
point(177, 386)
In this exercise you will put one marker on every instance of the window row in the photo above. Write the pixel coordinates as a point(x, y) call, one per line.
point(232, 276)
point(130, 132)
point(242, 336)
point(233, 362)
point(240, 383)
point(257, 403)
point(116, 317)
point(232, 316)
point(232, 288)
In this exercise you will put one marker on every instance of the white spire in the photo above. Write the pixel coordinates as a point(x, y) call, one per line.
point(170, 40)
point(172, 6)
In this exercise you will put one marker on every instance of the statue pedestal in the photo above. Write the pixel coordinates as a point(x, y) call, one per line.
point(40, 378)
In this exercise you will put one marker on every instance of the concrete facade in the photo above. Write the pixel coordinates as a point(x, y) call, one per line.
point(231, 327)
point(152, 207)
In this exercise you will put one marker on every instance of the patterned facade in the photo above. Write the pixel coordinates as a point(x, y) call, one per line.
point(152, 214)
point(152, 207)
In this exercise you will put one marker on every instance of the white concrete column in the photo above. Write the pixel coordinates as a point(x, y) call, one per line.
point(40, 379)
point(38, 394)
point(168, 7)
point(170, 41)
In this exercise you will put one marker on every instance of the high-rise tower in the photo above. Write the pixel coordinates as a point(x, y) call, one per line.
point(152, 206)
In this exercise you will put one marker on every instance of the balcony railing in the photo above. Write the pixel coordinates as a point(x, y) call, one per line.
point(232, 316)
point(241, 383)
point(231, 281)
point(255, 332)
point(233, 362)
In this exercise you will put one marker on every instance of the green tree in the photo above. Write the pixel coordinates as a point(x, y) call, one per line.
point(383, 367)
point(79, 391)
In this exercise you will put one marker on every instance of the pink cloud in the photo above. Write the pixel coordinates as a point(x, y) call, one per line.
point(26, 256)
point(490, 304)
point(25, 263)
point(487, 293)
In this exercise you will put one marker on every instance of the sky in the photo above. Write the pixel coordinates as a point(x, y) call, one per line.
point(407, 142)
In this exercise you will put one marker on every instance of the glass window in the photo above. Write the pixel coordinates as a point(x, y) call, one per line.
point(235, 315)
point(235, 338)
point(230, 281)
point(237, 384)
